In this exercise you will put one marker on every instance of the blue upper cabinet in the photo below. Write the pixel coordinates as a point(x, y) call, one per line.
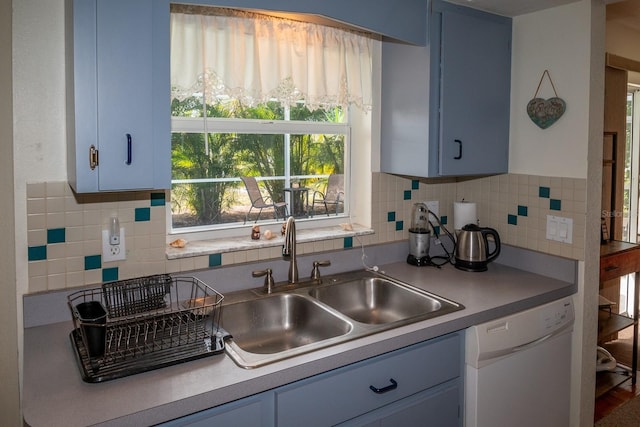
point(119, 104)
point(475, 82)
point(445, 107)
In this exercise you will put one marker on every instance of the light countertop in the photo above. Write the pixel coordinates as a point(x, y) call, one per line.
point(55, 395)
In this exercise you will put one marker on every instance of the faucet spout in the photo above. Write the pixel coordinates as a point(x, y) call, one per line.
point(289, 249)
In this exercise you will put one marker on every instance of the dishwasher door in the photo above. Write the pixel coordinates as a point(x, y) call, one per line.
point(518, 369)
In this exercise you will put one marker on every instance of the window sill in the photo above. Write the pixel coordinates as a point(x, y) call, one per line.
point(234, 244)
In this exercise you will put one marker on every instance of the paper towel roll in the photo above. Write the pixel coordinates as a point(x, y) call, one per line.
point(464, 213)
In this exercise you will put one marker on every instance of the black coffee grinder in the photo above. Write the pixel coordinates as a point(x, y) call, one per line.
point(419, 236)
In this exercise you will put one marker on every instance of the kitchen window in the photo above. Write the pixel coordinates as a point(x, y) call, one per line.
point(267, 97)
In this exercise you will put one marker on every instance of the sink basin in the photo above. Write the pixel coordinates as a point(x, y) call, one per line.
point(376, 300)
point(280, 322)
point(267, 328)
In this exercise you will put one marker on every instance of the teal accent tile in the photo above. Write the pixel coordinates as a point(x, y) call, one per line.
point(110, 274)
point(92, 262)
point(399, 225)
point(391, 216)
point(522, 210)
point(512, 219)
point(158, 199)
point(544, 192)
point(348, 242)
point(444, 220)
point(55, 235)
point(436, 230)
point(407, 194)
point(37, 253)
point(143, 214)
point(415, 184)
point(215, 260)
point(555, 204)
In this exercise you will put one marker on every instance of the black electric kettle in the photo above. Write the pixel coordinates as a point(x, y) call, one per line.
point(472, 249)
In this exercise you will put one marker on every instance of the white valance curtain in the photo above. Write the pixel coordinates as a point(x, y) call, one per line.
point(256, 58)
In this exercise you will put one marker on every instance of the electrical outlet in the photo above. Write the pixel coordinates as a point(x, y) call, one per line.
point(434, 207)
point(113, 252)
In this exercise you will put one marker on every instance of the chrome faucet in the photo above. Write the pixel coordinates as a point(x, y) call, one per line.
point(289, 249)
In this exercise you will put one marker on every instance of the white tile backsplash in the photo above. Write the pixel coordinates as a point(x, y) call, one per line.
point(53, 205)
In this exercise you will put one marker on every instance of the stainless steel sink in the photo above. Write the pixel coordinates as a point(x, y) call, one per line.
point(311, 316)
point(280, 322)
point(376, 300)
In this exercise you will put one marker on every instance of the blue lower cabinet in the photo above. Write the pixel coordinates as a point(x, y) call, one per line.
point(380, 387)
point(251, 411)
point(404, 387)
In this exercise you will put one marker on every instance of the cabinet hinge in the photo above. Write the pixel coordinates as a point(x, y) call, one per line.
point(93, 157)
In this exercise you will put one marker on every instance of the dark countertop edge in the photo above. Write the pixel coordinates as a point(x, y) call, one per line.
point(334, 357)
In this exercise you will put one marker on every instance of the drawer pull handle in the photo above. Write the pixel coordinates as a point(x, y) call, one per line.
point(392, 386)
point(611, 268)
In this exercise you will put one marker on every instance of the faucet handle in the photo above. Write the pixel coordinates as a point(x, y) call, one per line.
point(268, 280)
point(315, 273)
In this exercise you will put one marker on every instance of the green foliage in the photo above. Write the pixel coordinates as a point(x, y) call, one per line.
point(228, 155)
point(193, 156)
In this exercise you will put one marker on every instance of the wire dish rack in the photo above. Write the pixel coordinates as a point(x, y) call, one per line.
point(131, 326)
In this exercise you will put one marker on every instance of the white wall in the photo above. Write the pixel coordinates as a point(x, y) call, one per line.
point(9, 385)
point(39, 131)
point(569, 42)
point(39, 106)
point(39, 86)
point(555, 40)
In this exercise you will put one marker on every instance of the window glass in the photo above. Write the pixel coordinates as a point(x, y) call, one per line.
point(207, 166)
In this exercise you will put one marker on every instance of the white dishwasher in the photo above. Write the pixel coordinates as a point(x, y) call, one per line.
point(518, 368)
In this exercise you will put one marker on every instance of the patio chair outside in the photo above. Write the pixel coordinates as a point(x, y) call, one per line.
point(259, 202)
point(332, 196)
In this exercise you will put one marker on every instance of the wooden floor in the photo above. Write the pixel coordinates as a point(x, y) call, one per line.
point(614, 398)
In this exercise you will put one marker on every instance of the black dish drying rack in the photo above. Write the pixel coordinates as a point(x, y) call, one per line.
point(148, 323)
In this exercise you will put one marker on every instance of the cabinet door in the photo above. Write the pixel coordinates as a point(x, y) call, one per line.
point(348, 391)
point(124, 67)
point(254, 411)
point(120, 105)
point(437, 407)
point(404, 129)
point(474, 81)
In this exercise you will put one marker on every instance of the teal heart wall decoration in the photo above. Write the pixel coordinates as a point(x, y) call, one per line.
point(545, 112)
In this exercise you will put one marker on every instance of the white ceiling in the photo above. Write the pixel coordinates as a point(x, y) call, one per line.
point(626, 14)
point(619, 12)
point(511, 7)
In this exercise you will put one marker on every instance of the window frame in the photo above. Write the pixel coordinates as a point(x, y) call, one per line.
point(362, 159)
point(257, 126)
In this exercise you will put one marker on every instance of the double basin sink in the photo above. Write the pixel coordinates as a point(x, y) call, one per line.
point(296, 320)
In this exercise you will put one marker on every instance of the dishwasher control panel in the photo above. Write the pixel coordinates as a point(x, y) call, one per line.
point(518, 331)
point(555, 316)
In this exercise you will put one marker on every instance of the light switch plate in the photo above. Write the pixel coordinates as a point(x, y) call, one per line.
point(559, 229)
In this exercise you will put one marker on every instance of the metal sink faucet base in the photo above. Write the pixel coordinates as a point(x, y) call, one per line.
point(289, 249)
